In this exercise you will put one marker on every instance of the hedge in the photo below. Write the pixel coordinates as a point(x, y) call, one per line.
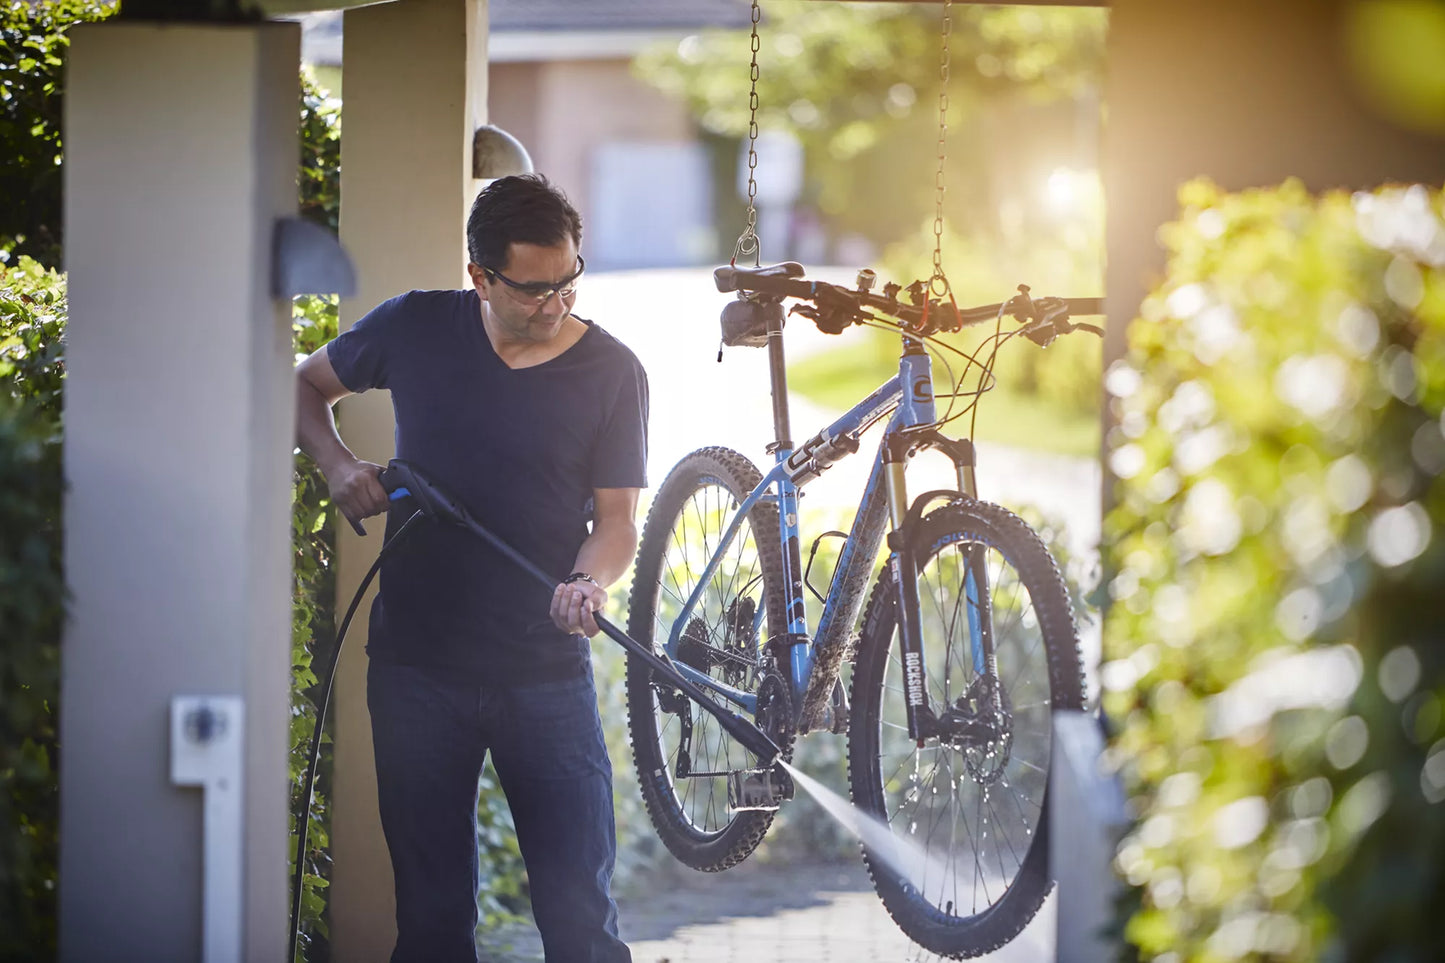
point(1274, 669)
point(32, 586)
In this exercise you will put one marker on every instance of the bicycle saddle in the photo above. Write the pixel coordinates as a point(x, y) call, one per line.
point(728, 276)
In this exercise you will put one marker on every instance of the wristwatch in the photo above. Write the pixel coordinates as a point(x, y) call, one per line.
point(580, 577)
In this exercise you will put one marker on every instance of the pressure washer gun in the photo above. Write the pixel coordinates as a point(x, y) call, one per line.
point(402, 480)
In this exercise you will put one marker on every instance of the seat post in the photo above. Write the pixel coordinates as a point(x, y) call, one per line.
point(778, 372)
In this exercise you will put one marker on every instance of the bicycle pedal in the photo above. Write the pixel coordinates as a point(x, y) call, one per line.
point(758, 790)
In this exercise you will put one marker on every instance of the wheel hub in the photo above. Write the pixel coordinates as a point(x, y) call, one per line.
point(980, 726)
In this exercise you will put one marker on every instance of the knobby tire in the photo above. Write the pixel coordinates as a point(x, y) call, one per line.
point(689, 514)
point(986, 836)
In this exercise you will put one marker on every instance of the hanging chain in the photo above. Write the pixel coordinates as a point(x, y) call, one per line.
point(748, 240)
point(938, 283)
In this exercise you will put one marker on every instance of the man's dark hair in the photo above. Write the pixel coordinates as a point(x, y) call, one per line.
point(523, 209)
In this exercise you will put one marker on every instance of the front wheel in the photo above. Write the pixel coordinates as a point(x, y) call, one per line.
point(966, 866)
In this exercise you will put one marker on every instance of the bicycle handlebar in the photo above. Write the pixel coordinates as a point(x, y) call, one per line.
point(837, 307)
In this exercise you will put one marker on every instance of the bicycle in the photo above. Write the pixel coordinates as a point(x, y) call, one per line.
point(967, 642)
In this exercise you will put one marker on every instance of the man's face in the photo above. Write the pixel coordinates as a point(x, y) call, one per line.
point(532, 294)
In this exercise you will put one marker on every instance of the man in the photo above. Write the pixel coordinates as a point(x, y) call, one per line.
point(531, 416)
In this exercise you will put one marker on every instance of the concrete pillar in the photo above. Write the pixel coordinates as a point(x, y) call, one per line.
point(415, 79)
point(1086, 820)
point(181, 146)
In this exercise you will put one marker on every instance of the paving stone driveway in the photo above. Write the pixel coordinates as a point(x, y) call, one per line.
point(774, 912)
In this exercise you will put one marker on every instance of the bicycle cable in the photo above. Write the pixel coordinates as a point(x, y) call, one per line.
point(997, 342)
point(938, 346)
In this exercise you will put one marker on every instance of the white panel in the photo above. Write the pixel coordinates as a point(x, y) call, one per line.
point(651, 206)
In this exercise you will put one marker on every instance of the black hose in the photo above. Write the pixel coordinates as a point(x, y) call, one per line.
point(305, 820)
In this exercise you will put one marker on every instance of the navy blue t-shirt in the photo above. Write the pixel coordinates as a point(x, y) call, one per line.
point(522, 449)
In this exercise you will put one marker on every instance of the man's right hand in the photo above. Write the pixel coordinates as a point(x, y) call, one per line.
point(356, 491)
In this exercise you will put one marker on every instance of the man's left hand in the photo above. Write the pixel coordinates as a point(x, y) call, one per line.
point(573, 605)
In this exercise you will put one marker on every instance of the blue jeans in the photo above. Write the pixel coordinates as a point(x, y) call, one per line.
point(431, 736)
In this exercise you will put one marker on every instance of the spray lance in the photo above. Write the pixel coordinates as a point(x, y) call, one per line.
point(404, 482)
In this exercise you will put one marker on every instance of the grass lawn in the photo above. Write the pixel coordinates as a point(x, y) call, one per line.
point(840, 378)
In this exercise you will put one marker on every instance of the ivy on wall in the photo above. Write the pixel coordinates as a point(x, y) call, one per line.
point(1273, 663)
point(32, 590)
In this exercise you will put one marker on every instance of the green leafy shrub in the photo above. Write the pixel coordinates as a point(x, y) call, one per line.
point(313, 534)
point(33, 41)
point(320, 172)
point(32, 591)
point(313, 620)
point(1273, 659)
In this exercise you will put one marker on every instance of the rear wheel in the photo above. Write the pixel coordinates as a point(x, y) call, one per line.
point(681, 753)
point(968, 866)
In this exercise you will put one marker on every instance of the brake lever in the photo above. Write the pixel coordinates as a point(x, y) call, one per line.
point(1041, 333)
point(836, 310)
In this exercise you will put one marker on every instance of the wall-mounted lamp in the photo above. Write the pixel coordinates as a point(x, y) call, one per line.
point(496, 153)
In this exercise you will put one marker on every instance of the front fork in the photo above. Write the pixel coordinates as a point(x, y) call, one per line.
point(923, 720)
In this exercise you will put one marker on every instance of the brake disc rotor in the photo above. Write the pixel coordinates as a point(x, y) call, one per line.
point(986, 762)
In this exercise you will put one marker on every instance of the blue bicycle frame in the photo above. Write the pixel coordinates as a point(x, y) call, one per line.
point(912, 408)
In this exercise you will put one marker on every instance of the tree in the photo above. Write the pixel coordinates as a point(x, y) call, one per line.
point(33, 40)
point(859, 86)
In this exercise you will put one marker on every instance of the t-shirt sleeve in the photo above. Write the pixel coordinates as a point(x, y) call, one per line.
point(360, 355)
point(621, 455)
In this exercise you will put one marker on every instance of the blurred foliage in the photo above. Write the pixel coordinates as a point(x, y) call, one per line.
point(320, 173)
point(1396, 50)
point(858, 84)
point(33, 41)
point(32, 595)
point(1273, 664)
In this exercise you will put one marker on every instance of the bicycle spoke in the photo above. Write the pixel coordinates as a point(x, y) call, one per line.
point(1002, 833)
